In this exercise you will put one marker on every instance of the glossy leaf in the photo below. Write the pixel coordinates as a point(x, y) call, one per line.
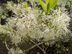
point(53, 3)
point(49, 4)
point(47, 7)
point(42, 4)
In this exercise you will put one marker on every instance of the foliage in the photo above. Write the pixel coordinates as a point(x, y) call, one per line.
point(48, 5)
point(28, 23)
point(3, 13)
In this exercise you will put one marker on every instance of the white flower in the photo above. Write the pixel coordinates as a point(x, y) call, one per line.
point(30, 22)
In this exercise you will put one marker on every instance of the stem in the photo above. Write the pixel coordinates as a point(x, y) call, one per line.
point(39, 47)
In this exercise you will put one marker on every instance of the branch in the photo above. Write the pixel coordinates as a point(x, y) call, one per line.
point(34, 46)
point(38, 47)
point(7, 47)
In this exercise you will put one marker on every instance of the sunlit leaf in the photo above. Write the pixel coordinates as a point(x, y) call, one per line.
point(53, 3)
point(42, 4)
point(49, 4)
point(26, 5)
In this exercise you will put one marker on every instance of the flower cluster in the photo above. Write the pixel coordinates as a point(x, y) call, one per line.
point(63, 3)
point(32, 23)
point(2, 13)
point(15, 51)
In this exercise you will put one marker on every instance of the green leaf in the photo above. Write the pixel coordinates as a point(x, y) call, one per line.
point(18, 49)
point(5, 4)
point(12, 2)
point(67, 49)
point(47, 6)
point(42, 4)
point(26, 4)
point(53, 3)
point(2, 36)
point(6, 15)
point(21, 0)
point(38, 53)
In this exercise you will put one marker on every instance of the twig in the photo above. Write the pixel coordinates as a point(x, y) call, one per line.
point(33, 46)
point(38, 47)
point(42, 43)
point(7, 46)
